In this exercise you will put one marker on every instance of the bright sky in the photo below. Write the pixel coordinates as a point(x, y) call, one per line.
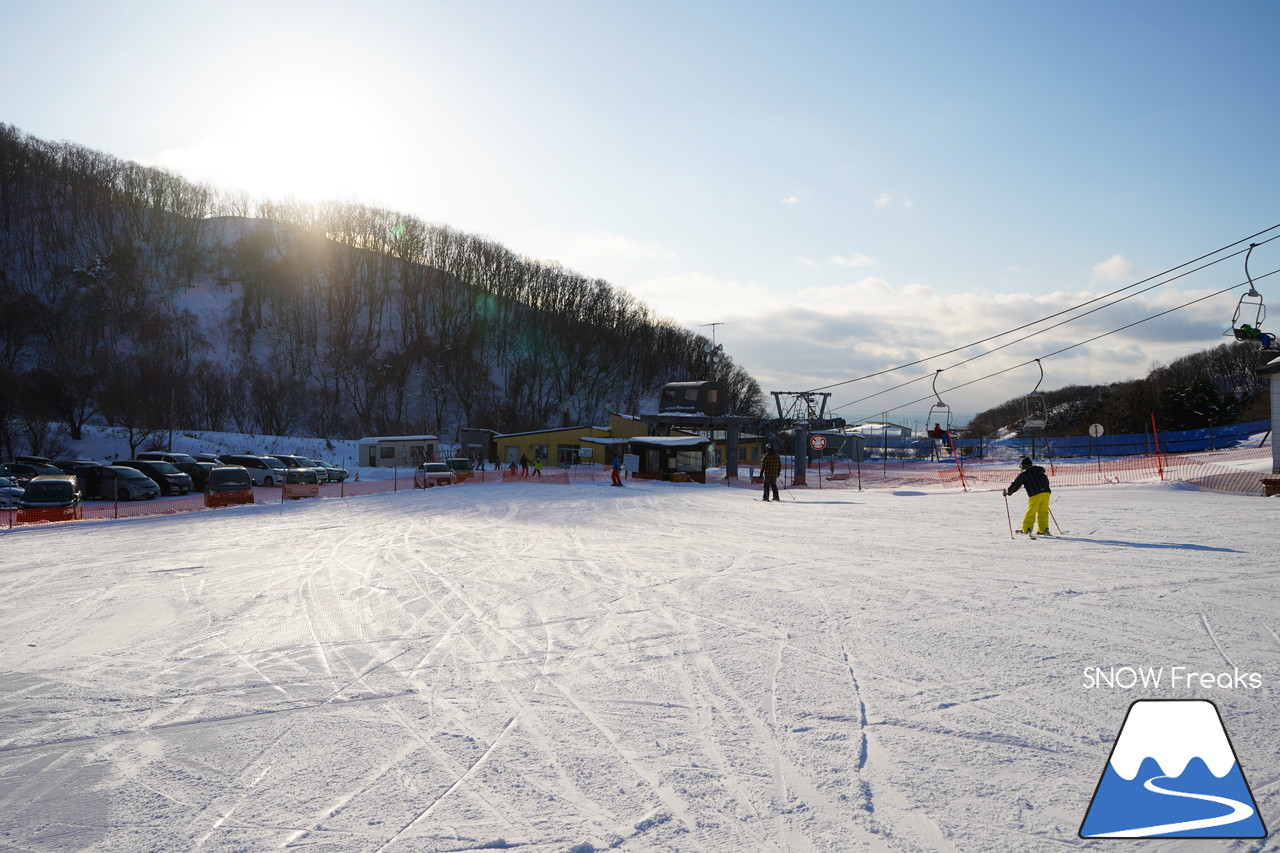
point(846, 186)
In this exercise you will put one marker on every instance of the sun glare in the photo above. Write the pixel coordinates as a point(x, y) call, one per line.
point(311, 143)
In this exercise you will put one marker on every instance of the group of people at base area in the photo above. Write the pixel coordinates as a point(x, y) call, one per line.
point(1036, 482)
point(524, 466)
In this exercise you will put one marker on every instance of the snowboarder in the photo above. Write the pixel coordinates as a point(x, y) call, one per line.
point(1036, 482)
point(770, 468)
point(1249, 333)
point(617, 470)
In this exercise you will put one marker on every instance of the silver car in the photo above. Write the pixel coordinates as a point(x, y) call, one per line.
point(122, 483)
point(10, 491)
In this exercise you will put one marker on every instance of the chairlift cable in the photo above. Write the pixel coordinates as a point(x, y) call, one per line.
point(1076, 307)
point(1047, 355)
point(1027, 337)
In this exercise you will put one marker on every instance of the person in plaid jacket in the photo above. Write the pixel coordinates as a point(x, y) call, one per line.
point(770, 468)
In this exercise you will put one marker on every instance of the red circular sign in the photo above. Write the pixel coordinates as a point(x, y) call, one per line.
point(817, 442)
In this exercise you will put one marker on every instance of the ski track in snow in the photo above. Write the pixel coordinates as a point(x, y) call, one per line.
point(653, 668)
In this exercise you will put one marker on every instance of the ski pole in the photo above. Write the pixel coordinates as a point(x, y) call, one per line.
point(1007, 514)
point(1055, 522)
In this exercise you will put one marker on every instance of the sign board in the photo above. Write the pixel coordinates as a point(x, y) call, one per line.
point(1096, 430)
point(631, 463)
point(817, 442)
point(586, 452)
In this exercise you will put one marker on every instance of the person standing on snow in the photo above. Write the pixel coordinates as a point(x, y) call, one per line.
point(1036, 482)
point(617, 470)
point(770, 468)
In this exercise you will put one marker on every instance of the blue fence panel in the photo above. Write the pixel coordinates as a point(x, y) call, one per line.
point(1126, 444)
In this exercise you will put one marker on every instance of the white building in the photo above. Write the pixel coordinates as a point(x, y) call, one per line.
point(398, 451)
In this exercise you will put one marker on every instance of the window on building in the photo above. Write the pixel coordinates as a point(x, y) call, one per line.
point(386, 451)
point(689, 460)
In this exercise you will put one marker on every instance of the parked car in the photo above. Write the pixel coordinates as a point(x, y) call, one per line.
point(433, 474)
point(461, 466)
point(186, 463)
point(10, 491)
point(58, 495)
point(301, 476)
point(227, 485)
point(170, 480)
point(333, 473)
point(265, 470)
point(68, 466)
point(24, 472)
point(86, 473)
point(229, 478)
point(295, 461)
point(118, 483)
point(211, 458)
point(34, 460)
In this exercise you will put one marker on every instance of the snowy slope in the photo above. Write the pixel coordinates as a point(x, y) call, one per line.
point(660, 667)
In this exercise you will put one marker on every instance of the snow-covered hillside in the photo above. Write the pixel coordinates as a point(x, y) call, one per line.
point(659, 667)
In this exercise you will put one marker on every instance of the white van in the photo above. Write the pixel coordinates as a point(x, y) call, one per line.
point(263, 470)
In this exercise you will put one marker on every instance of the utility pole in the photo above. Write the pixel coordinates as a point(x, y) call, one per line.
point(715, 354)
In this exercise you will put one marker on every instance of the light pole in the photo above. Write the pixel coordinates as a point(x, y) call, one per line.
point(715, 355)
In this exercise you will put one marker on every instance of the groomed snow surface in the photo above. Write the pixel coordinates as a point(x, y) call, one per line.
point(667, 667)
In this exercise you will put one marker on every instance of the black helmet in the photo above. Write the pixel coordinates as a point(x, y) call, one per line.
point(1025, 463)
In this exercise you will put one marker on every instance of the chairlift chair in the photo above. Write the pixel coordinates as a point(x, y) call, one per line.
point(1250, 304)
point(939, 410)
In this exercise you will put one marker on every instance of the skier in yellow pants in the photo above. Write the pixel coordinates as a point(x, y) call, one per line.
point(1036, 482)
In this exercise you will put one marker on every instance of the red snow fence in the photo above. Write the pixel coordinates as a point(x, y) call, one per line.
point(108, 511)
point(1213, 471)
point(1217, 471)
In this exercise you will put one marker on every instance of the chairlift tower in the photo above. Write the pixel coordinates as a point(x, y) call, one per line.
point(803, 412)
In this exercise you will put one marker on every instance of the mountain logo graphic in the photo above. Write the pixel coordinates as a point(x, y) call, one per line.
point(1172, 774)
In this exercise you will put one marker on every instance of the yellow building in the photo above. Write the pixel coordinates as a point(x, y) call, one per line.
point(564, 447)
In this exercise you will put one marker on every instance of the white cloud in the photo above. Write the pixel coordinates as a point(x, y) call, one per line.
point(601, 245)
point(887, 200)
point(855, 260)
point(1114, 268)
point(695, 298)
point(808, 262)
point(823, 335)
point(791, 199)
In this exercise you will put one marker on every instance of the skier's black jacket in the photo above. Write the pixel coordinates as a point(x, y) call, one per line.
point(1034, 478)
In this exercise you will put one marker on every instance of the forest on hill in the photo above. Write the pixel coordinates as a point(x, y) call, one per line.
point(132, 296)
point(1210, 388)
